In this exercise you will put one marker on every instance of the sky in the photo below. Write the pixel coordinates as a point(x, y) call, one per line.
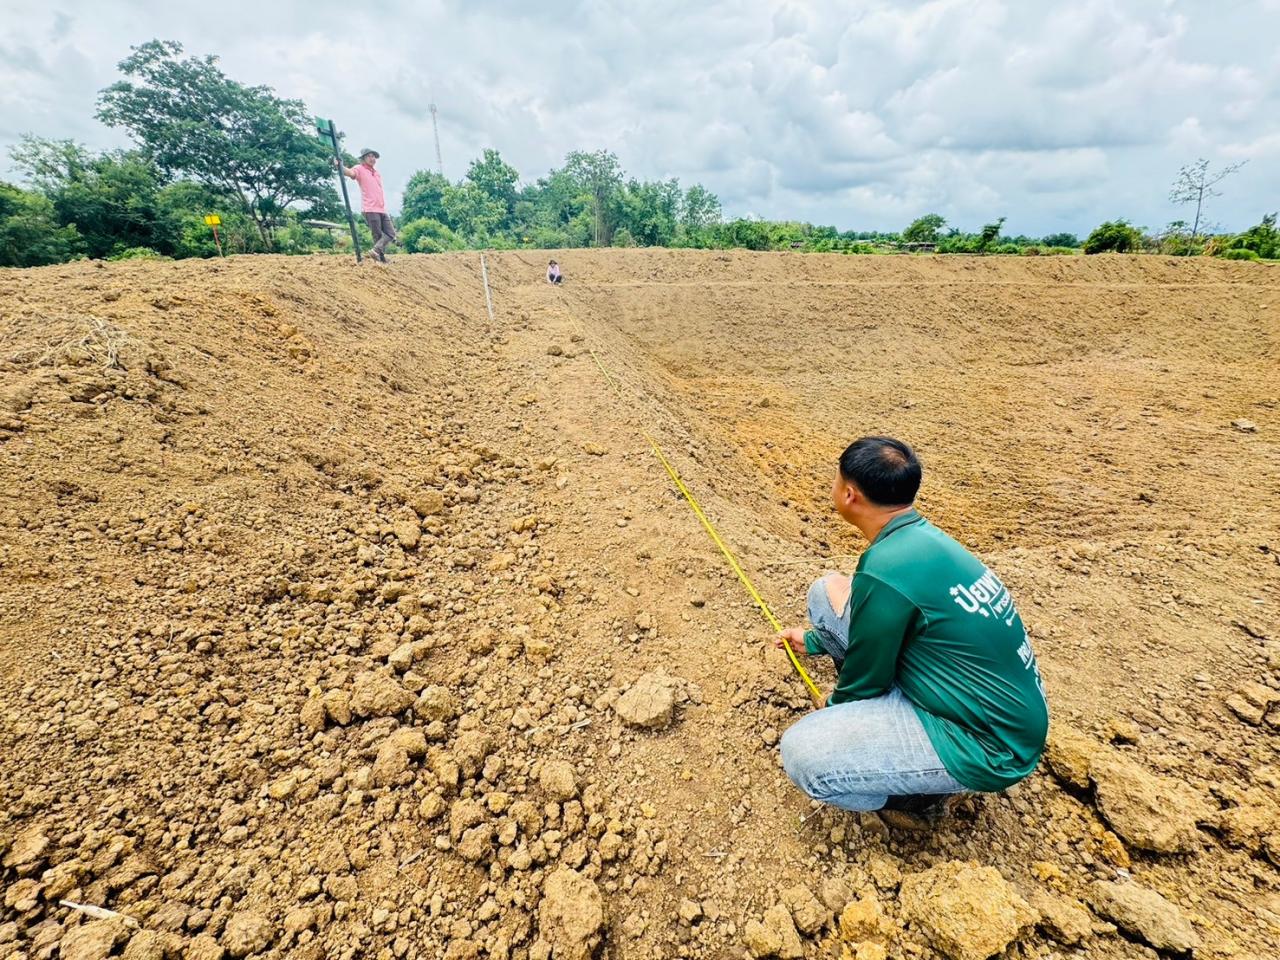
point(861, 114)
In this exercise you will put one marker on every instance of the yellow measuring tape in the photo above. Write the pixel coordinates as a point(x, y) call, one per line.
point(710, 528)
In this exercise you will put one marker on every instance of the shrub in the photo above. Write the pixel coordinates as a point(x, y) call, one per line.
point(295, 237)
point(750, 234)
point(1264, 239)
point(185, 205)
point(1239, 253)
point(138, 253)
point(546, 238)
point(1215, 246)
point(427, 235)
point(1114, 236)
point(958, 243)
point(1182, 245)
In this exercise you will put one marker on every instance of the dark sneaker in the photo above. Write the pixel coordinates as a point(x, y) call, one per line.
point(919, 803)
point(915, 812)
point(901, 820)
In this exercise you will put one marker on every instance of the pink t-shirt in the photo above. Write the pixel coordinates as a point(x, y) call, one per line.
point(371, 197)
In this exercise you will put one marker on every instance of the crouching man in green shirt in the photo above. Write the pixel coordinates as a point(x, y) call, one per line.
point(938, 690)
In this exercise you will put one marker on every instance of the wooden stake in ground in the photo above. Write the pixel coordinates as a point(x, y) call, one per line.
point(488, 297)
point(211, 221)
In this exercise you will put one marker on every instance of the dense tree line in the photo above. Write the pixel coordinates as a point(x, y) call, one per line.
point(588, 201)
point(205, 143)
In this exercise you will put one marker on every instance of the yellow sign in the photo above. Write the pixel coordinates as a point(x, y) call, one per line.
point(213, 220)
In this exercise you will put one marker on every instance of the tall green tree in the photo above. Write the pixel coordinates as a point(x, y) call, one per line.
point(564, 207)
point(497, 180)
point(699, 209)
point(601, 175)
point(194, 120)
point(424, 197)
point(477, 216)
point(650, 211)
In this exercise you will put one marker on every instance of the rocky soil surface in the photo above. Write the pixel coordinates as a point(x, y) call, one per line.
point(338, 622)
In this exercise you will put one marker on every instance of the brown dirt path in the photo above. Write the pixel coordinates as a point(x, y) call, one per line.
point(300, 472)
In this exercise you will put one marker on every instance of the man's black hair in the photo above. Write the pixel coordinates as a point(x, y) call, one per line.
point(886, 470)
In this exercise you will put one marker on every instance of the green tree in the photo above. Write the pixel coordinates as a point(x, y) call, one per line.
point(1061, 240)
point(192, 119)
point(650, 211)
point(1114, 236)
point(989, 235)
point(496, 179)
point(601, 175)
point(475, 214)
point(30, 234)
point(789, 235)
point(564, 206)
point(700, 208)
point(924, 230)
point(825, 239)
point(587, 201)
point(111, 198)
point(1263, 240)
point(424, 197)
point(185, 203)
point(751, 234)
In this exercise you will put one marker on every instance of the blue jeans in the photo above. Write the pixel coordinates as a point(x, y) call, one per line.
point(857, 755)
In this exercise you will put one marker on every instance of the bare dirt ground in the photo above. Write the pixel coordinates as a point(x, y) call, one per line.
point(324, 603)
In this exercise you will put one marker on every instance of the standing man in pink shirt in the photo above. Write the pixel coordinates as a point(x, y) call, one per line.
point(373, 203)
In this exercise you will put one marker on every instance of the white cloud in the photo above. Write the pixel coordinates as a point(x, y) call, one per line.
point(863, 115)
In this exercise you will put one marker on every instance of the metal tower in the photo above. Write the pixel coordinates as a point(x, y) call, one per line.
point(435, 126)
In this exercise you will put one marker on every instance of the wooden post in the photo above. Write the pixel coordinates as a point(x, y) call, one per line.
point(211, 221)
point(488, 298)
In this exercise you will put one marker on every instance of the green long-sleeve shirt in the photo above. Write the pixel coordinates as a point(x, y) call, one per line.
point(928, 616)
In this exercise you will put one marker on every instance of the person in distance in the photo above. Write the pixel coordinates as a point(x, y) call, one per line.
point(373, 202)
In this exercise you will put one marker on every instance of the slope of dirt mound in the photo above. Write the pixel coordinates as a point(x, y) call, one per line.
point(338, 622)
